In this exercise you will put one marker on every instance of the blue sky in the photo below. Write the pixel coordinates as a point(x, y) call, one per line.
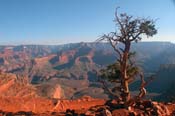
point(68, 21)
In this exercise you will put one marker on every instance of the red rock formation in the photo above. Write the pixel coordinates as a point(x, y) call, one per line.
point(40, 105)
point(11, 85)
point(57, 94)
point(66, 56)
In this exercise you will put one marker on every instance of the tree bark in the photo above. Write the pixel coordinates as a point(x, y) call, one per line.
point(124, 76)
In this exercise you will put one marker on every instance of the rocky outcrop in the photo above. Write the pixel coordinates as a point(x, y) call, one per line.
point(84, 106)
point(42, 105)
point(58, 93)
point(12, 85)
point(79, 104)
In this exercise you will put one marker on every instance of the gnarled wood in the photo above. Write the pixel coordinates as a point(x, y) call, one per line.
point(129, 30)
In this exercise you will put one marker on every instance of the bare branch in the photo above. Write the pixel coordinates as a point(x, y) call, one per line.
point(109, 91)
point(116, 81)
point(120, 24)
point(136, 36)
point(114, 47)
point(143, 84)
point(113, 42)
point(142, 87)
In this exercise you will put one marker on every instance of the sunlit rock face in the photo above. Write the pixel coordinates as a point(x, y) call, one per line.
point(67, 65)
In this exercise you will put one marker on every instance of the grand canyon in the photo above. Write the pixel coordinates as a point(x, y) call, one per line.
point(38, 79)
point(87, 58)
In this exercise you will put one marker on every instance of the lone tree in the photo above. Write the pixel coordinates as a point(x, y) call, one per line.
point(125, 70)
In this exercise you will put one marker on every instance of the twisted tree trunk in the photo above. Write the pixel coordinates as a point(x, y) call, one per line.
point(124, 76)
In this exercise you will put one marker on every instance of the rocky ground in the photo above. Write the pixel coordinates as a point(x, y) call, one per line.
point(34, 80)
point(85, 106)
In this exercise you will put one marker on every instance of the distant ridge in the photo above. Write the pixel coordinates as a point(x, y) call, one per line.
point(49, 66)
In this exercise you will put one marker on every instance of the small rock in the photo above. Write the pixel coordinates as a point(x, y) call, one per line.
point(169, 103)
point(154, 103)
point(120, 112)
point(88, 113)
point(132, 114)
point(148, 109)
point(106, 112)
point(141, 106)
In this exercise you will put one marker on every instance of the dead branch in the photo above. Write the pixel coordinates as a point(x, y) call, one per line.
point(109, 91)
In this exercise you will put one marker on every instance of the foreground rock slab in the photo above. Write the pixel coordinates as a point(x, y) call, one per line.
point(42, 105)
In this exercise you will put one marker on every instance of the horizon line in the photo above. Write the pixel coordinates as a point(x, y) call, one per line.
point(23, 44)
